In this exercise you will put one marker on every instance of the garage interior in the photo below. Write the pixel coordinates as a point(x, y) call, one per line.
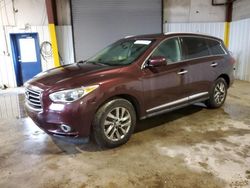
point(191, 147)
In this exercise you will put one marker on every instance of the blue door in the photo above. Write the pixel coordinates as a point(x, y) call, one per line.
point(26, 56)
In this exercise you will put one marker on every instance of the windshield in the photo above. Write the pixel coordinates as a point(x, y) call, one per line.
point(123, 52)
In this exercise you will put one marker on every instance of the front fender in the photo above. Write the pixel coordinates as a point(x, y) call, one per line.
point(122, 86)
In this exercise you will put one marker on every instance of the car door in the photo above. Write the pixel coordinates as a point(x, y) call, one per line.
point(165, 86)
point(201, 66)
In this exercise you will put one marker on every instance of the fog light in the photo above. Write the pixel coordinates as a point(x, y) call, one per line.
point(65, 128)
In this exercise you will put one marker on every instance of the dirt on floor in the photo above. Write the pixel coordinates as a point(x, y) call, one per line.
point(192, 147)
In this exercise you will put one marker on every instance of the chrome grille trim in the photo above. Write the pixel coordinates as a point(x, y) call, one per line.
point(33, 98)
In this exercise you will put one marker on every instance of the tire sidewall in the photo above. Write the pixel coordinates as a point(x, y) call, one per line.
point(212, 102)
point(100, 117)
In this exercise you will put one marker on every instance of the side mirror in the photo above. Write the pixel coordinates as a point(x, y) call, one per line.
point(157, 61)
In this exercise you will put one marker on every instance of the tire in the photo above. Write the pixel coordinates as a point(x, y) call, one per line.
point(109, 131)
point(218, 94)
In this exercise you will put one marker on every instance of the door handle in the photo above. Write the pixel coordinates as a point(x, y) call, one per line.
point(182, 72)
point(214, 64)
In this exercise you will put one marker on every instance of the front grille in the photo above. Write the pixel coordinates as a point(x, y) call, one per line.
point(33, 98)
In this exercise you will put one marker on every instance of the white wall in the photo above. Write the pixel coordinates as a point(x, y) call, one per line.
point(181, 11)
point(31, 13)
point(7, 75)
point(241, 10)
point(11, 107)
point(240, 46)
point(65, 44)
point(64, 32)
point(212, 28)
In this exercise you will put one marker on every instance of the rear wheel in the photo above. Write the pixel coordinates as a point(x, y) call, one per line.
point(218, 94)
point(114, 123)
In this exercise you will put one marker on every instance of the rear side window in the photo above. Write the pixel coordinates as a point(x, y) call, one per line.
point(216, 47)
point(195, 47)
point(170, 50)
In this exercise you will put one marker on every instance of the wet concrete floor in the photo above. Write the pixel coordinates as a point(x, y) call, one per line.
point(192, 147)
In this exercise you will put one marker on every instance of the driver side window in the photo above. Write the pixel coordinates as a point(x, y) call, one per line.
point(170, 50)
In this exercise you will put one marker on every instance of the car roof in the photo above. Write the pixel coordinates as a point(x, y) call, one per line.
point(171, 34)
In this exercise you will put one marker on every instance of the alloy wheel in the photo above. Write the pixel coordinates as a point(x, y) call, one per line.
point(219, 93)
point(117, 123)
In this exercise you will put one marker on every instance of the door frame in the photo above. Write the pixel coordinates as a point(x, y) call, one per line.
point(14, 49)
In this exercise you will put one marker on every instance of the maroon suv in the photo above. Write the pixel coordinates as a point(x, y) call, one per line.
point(135, 78)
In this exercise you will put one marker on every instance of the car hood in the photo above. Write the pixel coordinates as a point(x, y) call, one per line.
point(68, 75)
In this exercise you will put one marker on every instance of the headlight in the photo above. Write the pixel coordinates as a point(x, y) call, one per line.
point(71, 94)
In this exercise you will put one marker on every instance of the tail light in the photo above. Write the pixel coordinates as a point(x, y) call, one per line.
point(232, 60)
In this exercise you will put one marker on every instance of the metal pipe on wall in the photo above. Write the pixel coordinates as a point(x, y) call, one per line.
point(52, 19)
point(229, 11)
point(228, 18)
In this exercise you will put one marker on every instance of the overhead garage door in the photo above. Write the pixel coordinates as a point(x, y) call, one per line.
point(97, 23)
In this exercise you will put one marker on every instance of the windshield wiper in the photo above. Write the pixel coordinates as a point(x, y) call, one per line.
point(92, 62)
point(81, 61)
point(97, 63)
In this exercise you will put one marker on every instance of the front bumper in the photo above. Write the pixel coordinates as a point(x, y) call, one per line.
point(77, 115)
point(71, 140)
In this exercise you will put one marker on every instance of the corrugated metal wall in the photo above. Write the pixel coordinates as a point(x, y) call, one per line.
point(9, 106)
point(65, 44)
point(214, 29)
point(239, 45)
point(7, 74)
point(99, 23)
point(12, 105)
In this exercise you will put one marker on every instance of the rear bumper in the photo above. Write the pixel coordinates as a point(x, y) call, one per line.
point(232, 77)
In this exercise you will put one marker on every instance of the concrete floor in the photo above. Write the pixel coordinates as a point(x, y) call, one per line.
point(192, 147)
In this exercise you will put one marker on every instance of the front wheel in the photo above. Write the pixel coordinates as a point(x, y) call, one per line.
point(218, 94)
point(114, 123)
